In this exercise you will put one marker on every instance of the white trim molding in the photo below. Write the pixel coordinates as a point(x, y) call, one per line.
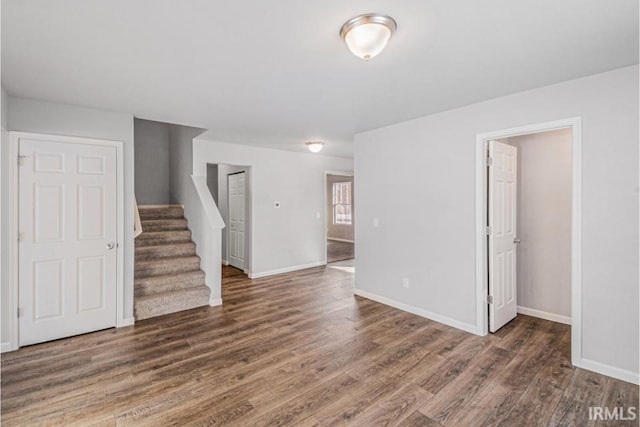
point(575, 124)
point(14, 339)
point(286, 270)
point(610, 371)
point(8, 346)
point(214, 302)
point(544, 315)
point(128, 321)
point(467, 327)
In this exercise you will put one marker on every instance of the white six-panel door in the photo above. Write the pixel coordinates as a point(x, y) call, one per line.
point(236, 219)
point(502, 215)
point(67, 244)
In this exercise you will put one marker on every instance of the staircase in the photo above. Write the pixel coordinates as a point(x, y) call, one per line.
point(167, 274)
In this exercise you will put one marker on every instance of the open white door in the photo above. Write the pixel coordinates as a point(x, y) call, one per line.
point(67, 250)
point(502, 215)
point(236, 219)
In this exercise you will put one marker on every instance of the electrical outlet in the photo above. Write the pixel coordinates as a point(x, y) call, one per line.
point(376, 222)
point(318, 215)
point(405, 282)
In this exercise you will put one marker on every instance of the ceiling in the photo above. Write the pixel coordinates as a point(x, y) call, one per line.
point(276, 73)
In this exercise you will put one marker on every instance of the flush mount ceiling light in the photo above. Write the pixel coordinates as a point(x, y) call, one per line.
point(315, 146)
point(366, 35)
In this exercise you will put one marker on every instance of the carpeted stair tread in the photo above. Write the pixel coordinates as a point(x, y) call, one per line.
point(160, 212)
point(168, 282)
point(146, 253)
point(161, 303)
point(164, 224)
point(154, 238)
point(168, 277)
point(164, 266)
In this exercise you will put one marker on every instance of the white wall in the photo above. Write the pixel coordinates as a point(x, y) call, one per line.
point(58, 119)
point(152, 162)
point(291, 236)
point(418, 178)
point(4, 220)
point(199, 206)
point(544, 221)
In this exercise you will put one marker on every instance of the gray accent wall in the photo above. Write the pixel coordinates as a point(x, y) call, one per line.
point(212, 181)
point(152, 173)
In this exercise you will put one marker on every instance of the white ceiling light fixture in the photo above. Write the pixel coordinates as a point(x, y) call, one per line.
point(315, 146)
point(367, 35)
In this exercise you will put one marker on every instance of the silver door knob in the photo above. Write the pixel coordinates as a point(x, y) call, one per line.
point(111, 245)
point(516, 240)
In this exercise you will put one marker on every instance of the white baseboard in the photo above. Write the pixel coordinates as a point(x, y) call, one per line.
point(225, 262)
point(610, 371)
point(335, 239)
point(286, 270)
point(128, 321)
point(7, 346)
point(467, 327)
point(214, 302)
point(544, 315)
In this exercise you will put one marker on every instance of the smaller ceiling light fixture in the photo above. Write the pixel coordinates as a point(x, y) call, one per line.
point(315, 146)
point(366, 35)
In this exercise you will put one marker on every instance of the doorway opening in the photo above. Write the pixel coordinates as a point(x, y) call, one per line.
point(230, 186)
point(340, 218)
point(528, 226)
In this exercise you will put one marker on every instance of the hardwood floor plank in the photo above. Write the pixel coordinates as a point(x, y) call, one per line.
point(418, 419)
point(392, 410)
point(585, 389)
point(450, 404)
point(301, 349)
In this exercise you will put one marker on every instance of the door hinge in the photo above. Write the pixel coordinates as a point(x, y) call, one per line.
point(20, 157)
point(20, 312)
point(489, 299)
point(489, 230)
point(489, 161)
point(20, 236)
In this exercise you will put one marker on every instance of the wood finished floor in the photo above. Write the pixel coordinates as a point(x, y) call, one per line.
point(299, 349)
point(339, 251)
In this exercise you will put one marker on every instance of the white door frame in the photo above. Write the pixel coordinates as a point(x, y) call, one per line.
point(246, 268)
point(12, 305)
point(482, 320)
point(324, 203)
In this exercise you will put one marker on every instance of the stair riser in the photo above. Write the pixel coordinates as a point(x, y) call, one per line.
point(173, 303)
point(161, 213)
point(150, 239)
point(162, 269)
point(141, 288)
point(146, 253)
point(164, 225)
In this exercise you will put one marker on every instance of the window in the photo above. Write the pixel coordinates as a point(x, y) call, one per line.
point(342, 203)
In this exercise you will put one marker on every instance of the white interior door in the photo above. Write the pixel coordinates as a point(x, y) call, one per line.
point(502, 215)
point(236, 219)
point(67, 244)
